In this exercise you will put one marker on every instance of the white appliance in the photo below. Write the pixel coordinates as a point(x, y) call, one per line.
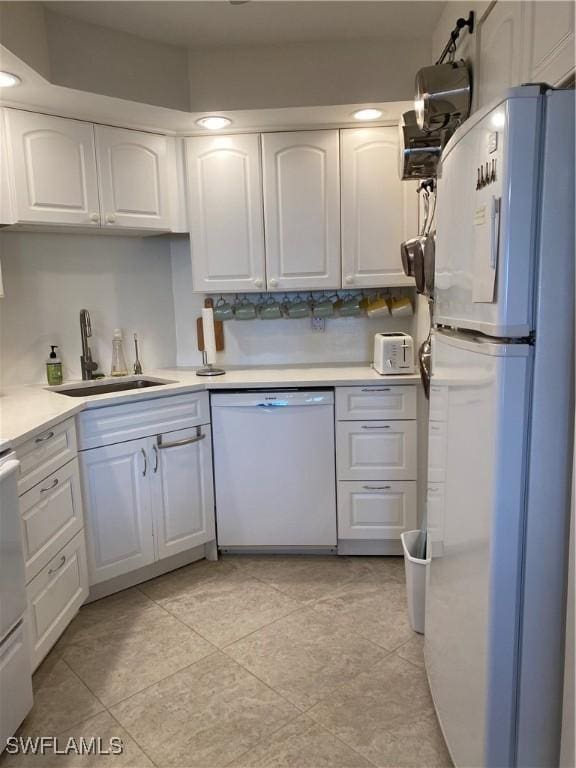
point(393, 353)
point(15, 671)
point(274, 469)
point(501, 417)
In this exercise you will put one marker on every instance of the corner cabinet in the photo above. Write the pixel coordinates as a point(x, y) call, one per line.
point(63, 172)
point(133, 174)
point(374, 211)
point(224, 183)
point(302, 210)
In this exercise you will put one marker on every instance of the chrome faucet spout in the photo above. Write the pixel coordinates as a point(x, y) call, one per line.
point(87, 365)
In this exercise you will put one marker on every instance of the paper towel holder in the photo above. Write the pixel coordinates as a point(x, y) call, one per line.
point(208, 369)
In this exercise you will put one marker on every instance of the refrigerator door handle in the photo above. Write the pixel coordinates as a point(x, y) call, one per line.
point(494, 230)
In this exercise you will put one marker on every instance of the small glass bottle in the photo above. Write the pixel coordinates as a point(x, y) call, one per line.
point(119, 367)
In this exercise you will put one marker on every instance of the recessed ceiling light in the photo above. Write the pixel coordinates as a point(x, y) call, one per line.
point(8, 80)
point(368, 114)
point(214, 122)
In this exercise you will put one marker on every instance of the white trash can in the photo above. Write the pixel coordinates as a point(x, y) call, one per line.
point(416, 573)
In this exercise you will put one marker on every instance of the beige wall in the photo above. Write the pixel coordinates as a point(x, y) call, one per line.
point(304, 74)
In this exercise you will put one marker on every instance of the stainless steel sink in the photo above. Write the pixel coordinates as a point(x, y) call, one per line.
point(104, 387)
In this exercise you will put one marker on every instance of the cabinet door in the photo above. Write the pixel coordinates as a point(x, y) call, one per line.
point(117, 508)
point(182, 488)
point(53, 169)
point(133, 174)
point(224, 185)
point(549, 42)
point(302, 210)
point(375, 511)
point(373, 209)
point(499, 41)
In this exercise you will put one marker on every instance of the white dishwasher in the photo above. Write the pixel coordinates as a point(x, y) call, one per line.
point(274, 469)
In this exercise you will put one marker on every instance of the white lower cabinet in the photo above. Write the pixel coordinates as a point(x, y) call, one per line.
point(147, 499)
point(54, 597)
point(375, 510)
point(118, 508)
point(376, 450)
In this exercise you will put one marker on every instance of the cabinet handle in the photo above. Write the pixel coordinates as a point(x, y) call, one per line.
point(348, 279)
point(45, 437)
point(376, 487)
point(110, 218)
point(376, 426)
point(156, 457)
point(57, 568)
point(145, 462)
point(273, 282)
point(258, 283)
point(54, 484)
point(375, 389)
point(177, 443)
point(95, 217)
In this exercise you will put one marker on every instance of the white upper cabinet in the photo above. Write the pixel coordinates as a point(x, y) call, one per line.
point(224, 182)
point(374, 209)
point(53, 169)
point(133, 171)
point(302, 210)
point(499, 41)
point(549, 41)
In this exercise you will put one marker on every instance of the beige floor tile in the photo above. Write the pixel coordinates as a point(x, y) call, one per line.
point(303, 578)
point(301, 744)
point(204, 716)
point(413, 650)
point(377, 611)
point(118, 658)
point(60, 700)
point(387, 569)
point(387, 716)
point(102, 726)
point(129, 606)
point(225, 609)
point(177, 583)
point(305, 657)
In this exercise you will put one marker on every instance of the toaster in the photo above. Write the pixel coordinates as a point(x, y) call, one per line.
point(393, 353)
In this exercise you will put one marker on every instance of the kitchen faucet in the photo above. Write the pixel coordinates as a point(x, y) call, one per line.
point(87, 365)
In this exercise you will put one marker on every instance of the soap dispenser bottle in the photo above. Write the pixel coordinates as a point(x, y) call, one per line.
point(119, 367)
point(54, 367)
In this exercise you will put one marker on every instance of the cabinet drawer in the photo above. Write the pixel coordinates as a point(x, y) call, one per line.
point(435, 500)
point(437, 446)
point(120, 423)
point(376, 450)
point(376, 402)
point(54, 597)
point(51, 515)
point(438, 402)
point(375, 510)
point(45, 453)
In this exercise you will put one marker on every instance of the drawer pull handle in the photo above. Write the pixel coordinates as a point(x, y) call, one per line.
point(45, 437)
point(54, 484)
point(376, 389)
point(57, 568)
point(178, 443)
point(376, 487)
point(379, 426)
point(145, 462)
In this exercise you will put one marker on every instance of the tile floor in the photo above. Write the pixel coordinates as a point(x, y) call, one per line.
point(250, 662)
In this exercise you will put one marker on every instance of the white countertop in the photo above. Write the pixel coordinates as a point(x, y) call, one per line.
point(28, 410)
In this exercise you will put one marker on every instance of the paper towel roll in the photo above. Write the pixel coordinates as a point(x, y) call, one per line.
point(209, 335)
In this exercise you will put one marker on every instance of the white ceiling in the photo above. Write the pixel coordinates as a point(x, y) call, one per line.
point(196, 23)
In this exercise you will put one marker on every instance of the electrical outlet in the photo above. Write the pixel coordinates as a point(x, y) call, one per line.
point(318, 324)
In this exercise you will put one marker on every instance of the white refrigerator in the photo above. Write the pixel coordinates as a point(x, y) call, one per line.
point(501, 429)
